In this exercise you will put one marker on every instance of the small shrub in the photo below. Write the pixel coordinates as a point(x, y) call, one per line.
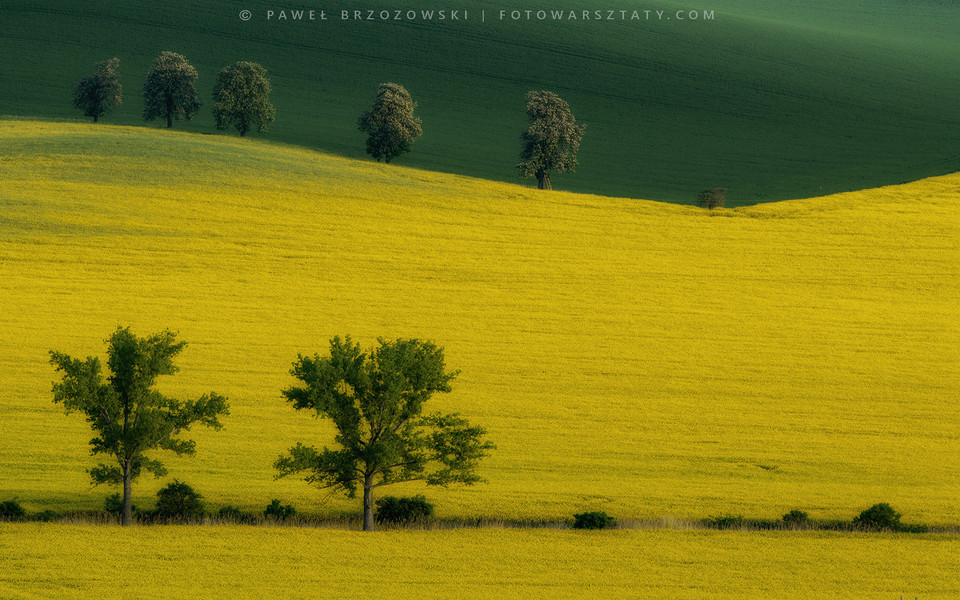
point(726, 522)
point(796, 518)
point(178, 500)
point(879, 516)
point(593, 520)
point(391, 509)
point(231, 513)
point(11, 510)
point(46, 516)
point(235, 515)
point(278, 511)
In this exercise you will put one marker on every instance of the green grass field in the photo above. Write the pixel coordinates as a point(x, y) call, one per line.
point(770, 100)
point(640, 358)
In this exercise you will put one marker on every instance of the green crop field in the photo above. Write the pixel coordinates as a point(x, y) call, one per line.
point(772, 100)
point(641, 358)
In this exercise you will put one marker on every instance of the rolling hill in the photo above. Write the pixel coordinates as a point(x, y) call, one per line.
point(771, 101)
point(637, 357)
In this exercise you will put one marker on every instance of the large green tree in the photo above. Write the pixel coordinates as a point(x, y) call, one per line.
point(375, 401)
point(169, 90)
point(551, 142)
point(128, 415)
point(390, 125)
point(241, 98)
point(101, 93)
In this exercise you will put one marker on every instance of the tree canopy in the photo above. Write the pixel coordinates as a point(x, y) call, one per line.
point(390, 125)
point(169, 90)
point(128, 415)
point(241, 98)
point(101, 93)
point(712, 198)
point(551, 142)
point(375, 401)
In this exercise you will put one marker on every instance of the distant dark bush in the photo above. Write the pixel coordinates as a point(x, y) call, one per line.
point(712, 198)
point(11, 510)
point(278, 511)
point(46, 516)
point(235, 515)
point(391, 509)
point(178, 500)
point(593, 520)
point(229, 512)
point(879, 516)
point(796, 518)
point(232, 513)
point(726, 522)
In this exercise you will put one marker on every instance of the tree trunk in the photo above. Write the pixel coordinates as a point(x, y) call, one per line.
point(96, 117)
point(169, 120)
point(127, 517)
point(543, 180)
point(368, 503)
point(169, 111)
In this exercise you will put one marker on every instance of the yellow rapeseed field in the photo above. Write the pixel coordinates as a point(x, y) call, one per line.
point(634, 357)
point(201, 563)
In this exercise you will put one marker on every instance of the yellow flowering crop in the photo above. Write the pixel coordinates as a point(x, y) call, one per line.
point(235, 562)
point(639, 358)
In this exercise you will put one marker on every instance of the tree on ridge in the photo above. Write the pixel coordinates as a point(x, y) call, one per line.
point(551, 142)
point(390, 124)
point(241, 98)
point(101, 93)
point(169, 90)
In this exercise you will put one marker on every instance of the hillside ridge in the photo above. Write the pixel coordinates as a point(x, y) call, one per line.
point(640, 358)
point(273, 151)
point(769, 102)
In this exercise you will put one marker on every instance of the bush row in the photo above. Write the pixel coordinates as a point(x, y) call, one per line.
point(176, 502)
point(179, 503)
point(879, 517)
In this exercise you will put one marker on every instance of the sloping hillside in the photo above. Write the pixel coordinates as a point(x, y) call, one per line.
point(769, 100)
point(636, 357)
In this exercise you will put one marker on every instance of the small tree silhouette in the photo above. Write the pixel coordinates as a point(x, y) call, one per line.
point(712, 198)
